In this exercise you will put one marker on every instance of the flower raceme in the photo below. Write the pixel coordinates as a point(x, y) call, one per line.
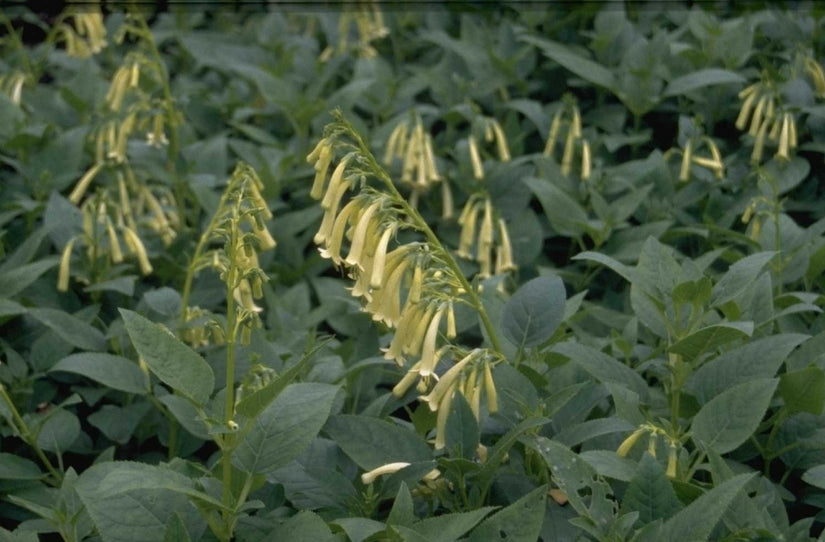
point(569, 117)
point(410, 287)
point(767, 121)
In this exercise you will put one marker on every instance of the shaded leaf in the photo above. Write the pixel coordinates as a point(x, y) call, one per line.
point(533, 313)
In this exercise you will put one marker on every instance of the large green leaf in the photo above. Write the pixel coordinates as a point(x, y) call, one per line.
point(701, 79)
point(576, 63)
point(759, 358)
point(449, 527)
point(739, 277)
point(133, 502)
point(372, 442)
point(70, 328)
point(695, 522)
point(285, 428)
point(803, 390)
point(650, 492)
point(112, 371)
point(533, 313)
point(519, 522)
point(730, 418)
point(602, 367)
point(169, 359)
point(710, 338)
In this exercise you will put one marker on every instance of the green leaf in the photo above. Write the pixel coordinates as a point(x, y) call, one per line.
point(70, 328)
point(739, 277)
point(169, 359)
point(815, 476)
point(305, 526)
point(565, 214)
point(176, 530)
point(602, 367)
point(760, 358)
point(519, 522)
point(372, 442)
point(126, 513)
point(14, 467)
point(576, 434)
point(112, 371)
point(696, 521)
point(59, 431)
point(803, 390)
point(187, 415)
point(285, 428)
point(533, 313)
point(730, 418)
point(581, 66)
point(650, 492)
point(119, 423)
point(449, 527)
point(402, 512)
point(700, 79)
point(710, 338)
point(254, 403)
point(15, 280)
point(359, 529)
point(587, 493)
point(461, 432)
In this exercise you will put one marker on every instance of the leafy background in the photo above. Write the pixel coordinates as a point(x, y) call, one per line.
point(663, 331)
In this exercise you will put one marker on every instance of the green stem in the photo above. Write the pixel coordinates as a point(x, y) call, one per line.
point(25, 433)
point(420, 224)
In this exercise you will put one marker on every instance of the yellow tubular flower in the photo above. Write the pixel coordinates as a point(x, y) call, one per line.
point(405, 327)
point(331, 194)
point(394, 142)
point(501, 142)
point(428, 359)
point(813, 69)
point(652, 440)
point(315, 153)
point(586, 165)
point(554, 133)
point(468, 228)
point(447, 208)
point(359, 237)
point(416, 338)
point(410, 156)
point(377, 274)
point(429, 155)
point(756, 120)
point(321, 167)
point(325, 231)
point(369, 477)
point(451, 332)
point(475, 159)
point(577, 123)
point(684, 173)
point(336, 237)
point(782, 152)
point(114, 244)
point(719, 168)
point(136, 246)
point(567, 157)
point(441, 419)
point(627, 444)
point(490, 389)
point(791, 131)
point(485, 235)
point(414, 295)
point(759, 144)
point(243, 296)
point(745, 111)
point(65, 262)
point(505, 250)
point(386, 304)
point(83, 184)
point(671, 461)
point(447, 380)
point(404, 384)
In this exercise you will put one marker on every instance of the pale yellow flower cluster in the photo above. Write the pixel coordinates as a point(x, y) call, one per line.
point(492, 232)
point(492, 133)
point(759, 105)
point(104, 229)
point(407, 287)
point(88, 35)
point(568, 117)
point(689, 157)
point(654, 435)
point(369, 25)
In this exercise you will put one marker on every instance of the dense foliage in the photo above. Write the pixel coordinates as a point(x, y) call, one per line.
point(377, 274)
